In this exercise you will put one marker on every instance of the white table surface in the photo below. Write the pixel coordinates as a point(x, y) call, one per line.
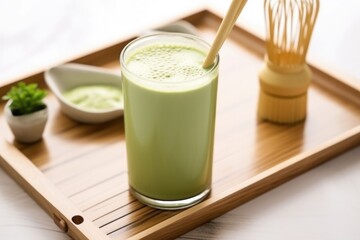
point(323, 203)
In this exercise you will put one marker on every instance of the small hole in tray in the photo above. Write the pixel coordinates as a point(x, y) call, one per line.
point(77, 219)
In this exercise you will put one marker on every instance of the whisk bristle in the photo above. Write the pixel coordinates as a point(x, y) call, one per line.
point(289, 28)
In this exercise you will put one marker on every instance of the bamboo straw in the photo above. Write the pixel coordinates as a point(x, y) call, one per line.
point(225, 27)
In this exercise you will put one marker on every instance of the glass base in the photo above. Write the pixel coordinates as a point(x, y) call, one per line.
point(171, 204)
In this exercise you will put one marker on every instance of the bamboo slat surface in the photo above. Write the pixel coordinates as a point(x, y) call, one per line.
point(87, 163)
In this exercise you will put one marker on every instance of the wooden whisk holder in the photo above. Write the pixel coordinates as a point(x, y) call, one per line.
point(283, 93)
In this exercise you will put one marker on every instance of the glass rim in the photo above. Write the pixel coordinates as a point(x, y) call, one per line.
point(191, 37)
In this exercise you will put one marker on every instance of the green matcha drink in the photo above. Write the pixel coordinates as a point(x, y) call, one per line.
point(170, 103)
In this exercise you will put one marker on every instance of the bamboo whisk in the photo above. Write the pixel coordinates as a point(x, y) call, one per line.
point(285, 78)
point(289, 27)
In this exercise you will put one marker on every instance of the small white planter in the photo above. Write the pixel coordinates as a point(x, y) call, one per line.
point(26, 128)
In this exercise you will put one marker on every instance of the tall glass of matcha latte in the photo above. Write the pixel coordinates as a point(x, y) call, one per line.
point(170, 105)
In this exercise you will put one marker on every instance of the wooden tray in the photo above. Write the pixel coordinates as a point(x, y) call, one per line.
point(78, 172)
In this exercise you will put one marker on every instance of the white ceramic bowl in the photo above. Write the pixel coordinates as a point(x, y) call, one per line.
point(71, 75)
point(180, 27)
point(176, 27)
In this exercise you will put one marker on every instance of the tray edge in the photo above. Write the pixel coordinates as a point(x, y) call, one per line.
point(55, 203)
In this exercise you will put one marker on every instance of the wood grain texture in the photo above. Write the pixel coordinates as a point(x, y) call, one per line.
point(46, 194)
point(87, 163)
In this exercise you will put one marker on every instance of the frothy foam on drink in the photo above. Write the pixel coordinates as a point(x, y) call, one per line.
point(170, 63)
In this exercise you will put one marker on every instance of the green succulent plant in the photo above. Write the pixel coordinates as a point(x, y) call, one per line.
point(25, 98)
